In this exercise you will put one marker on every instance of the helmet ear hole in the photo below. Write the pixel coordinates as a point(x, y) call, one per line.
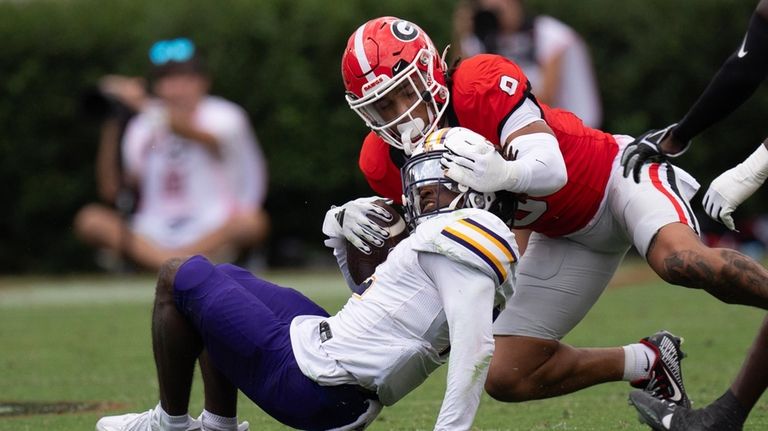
point(479, 201)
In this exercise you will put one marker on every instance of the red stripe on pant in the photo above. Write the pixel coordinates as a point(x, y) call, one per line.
point(654, 173)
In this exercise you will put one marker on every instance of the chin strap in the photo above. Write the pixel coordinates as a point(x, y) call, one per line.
point(407, 143)
point(455, 201)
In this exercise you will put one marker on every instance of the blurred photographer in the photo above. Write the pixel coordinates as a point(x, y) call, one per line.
point(552, 55)
point(192, 157)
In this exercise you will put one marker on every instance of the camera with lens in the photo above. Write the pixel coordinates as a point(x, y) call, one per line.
point(486, 28)
point(99, 105)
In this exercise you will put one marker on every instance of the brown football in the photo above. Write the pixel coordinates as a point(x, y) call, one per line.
point(361, 265)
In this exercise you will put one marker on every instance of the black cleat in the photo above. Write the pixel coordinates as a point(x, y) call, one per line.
point(725, 414)
point(666, 378)
point(652, 411)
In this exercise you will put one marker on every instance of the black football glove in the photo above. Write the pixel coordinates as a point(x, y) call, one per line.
point(646, 149)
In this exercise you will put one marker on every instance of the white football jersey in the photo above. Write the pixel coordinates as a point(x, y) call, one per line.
point(438, 292)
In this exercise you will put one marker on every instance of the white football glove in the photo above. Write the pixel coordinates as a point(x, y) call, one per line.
point(725, 194)
point(736, 185)
point(474, 162)
point(351, 221)
point(720, 200)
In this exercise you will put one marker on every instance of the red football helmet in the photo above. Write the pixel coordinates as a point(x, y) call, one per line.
point(389, 58)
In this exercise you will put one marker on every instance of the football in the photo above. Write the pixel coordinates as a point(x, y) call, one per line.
point(361, 265)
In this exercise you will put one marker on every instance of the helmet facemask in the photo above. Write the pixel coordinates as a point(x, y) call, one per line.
point(426, 191)
point(414, 83)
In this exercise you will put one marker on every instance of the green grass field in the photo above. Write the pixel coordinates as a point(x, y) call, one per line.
point(86, 340)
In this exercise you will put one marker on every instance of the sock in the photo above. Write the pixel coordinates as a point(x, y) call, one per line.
point(172, 423)
point(638, 361)
point(212, 422)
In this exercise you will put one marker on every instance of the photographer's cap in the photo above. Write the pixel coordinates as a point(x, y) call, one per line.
point(175, 56)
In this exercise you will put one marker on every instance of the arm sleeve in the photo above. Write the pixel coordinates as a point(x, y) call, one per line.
point(340, 253)
point(467, 296)
point(539, 165)
point(736, 80)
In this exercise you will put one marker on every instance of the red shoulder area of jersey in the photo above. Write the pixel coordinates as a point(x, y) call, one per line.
point(378, 168)
point(374, 156)
point(486, 89)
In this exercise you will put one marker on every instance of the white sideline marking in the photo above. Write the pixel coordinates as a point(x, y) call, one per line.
point(86, 293)
point(23, 292)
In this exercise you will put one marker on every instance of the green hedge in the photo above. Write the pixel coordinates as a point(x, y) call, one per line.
point(280, 60)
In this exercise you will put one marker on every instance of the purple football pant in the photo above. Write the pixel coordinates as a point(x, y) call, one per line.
point(244, 322)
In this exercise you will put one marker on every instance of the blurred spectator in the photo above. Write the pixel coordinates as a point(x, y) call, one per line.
point(552, 55)
point(193, 160)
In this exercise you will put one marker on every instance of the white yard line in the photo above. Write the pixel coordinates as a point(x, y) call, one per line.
point(26, 292)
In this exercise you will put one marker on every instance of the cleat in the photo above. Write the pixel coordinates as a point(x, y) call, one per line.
point(666, 376)
point(662, 415)
point(654, 412)
point(147, 421)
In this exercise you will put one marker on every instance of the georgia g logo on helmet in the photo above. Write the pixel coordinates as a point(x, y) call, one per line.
point(405, 30)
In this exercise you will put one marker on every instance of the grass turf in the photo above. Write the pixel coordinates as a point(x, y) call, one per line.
point(86, 339)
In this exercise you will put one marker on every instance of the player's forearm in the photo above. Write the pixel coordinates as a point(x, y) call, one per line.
point(539, 168)
point(736, 80)
point(467, 371)
point(207, 140)
point(471, 352)
point(340, 253)
point(468, 302)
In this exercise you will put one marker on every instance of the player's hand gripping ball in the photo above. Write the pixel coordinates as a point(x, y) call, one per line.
point(362, 265)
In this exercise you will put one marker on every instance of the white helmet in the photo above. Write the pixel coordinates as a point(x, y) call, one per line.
point(424, 168)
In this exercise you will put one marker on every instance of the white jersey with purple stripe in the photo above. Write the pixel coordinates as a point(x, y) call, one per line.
point(438, 292)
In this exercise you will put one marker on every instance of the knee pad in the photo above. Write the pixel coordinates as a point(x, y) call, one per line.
point(191, 273)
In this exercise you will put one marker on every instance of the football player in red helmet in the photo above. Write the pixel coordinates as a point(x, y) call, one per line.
point(377, 82)
point(583, 213)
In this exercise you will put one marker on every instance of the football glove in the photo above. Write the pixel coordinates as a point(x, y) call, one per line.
point(476, 164)
point(647, 149)
point(352, 221)
point(717, 206)
point(736, 185)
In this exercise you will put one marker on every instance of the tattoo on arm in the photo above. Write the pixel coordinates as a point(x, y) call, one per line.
point(726, 274)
